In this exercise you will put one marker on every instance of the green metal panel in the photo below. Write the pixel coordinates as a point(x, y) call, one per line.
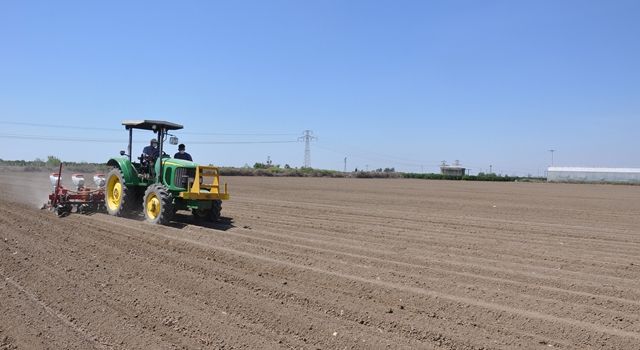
point(169, 166)
point(129, 172)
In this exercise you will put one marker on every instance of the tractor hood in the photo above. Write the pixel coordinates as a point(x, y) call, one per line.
point(178, 163)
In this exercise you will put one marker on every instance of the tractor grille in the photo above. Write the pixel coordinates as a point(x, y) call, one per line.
point(183, 177)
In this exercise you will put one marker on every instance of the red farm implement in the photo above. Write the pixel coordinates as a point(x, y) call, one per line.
point(64, 201)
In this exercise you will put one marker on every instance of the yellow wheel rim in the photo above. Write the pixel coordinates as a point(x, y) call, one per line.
point(114, 193)
point(153, 206)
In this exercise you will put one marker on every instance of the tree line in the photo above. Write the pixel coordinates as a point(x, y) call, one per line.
point(263, 169)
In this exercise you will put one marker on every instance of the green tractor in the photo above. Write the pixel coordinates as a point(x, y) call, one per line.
point(160, 185)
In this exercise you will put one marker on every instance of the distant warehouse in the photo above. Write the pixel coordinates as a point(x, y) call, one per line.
point(574, 174)
point(452, 170)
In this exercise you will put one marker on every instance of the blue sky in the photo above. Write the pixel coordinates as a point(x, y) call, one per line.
point(402, 84)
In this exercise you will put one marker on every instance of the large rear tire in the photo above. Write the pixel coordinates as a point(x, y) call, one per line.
point(119, 199)
point(158, 205)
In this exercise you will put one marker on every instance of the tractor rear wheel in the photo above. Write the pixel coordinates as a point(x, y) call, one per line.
point(119, 198)
point(158, 204)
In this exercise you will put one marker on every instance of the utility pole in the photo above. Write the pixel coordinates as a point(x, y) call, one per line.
point(345, 164)
point(307, 137)
point(552, 150)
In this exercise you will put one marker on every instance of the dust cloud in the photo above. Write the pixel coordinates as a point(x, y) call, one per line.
point(30, 188)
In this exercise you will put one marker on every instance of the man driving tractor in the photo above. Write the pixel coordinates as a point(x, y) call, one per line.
point(151, 151)
point(149, 155)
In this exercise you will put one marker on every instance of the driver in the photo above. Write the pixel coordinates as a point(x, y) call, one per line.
point(151, 151)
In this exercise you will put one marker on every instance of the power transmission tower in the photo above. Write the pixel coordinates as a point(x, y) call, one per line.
point(307, 137)
point(345, 164)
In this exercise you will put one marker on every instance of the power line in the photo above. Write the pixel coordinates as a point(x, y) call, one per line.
point(236, 142)
point(82, 139)
point(386, 156)
point(236, 134)
point(58, 138)
point(380, 158)
point(59, 126)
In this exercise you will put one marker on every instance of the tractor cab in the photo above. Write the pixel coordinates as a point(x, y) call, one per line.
point(146, 167)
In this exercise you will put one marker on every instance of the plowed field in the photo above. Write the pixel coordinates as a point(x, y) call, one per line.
point(329, 264)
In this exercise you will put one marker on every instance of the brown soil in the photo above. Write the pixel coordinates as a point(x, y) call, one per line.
point(329, 263)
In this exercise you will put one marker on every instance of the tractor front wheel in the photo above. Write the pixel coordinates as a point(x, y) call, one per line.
point(158, 205)
point(119, 198)
point(212, 214)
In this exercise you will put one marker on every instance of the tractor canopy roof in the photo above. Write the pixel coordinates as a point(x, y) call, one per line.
point(150, 125)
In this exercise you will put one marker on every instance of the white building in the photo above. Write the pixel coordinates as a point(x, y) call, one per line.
point(576, 174)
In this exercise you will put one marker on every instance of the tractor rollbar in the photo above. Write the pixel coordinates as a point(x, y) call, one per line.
point(160, 153)
point(130, 141)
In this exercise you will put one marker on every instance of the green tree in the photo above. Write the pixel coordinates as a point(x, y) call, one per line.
point(53, 161)
point(258, 165)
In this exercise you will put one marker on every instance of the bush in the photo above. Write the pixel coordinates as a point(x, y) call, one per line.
point(277, 171)
point(479, 177)
point(53, 164)
point(53, 161)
